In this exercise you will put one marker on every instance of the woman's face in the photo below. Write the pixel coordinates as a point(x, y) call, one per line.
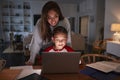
point(52, 18)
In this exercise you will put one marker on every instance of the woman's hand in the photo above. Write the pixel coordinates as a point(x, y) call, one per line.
point(28, 63)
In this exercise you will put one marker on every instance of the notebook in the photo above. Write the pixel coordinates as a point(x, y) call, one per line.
point(64, 62)
point(105, 66)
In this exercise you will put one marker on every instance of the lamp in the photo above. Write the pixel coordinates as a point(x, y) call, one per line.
point(116, 28)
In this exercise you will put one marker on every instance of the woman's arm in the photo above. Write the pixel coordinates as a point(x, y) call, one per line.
point(36, 44)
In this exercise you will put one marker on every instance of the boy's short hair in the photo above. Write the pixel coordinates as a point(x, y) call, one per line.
point(59, 29)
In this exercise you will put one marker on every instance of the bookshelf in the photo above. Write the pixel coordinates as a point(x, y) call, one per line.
point(15, 18)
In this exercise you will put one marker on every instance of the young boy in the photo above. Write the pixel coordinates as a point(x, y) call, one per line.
point(59, 39)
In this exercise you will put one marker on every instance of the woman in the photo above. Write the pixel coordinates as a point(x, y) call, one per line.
point(50, 18)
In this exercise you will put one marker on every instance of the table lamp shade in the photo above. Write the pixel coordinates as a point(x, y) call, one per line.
point(115, 27)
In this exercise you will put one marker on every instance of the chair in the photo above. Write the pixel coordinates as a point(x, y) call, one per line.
point(78, 42)
point(91, 58)
point(99, 46)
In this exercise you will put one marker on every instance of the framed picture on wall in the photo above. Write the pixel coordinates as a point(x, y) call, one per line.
point(80, 25)
point(83, 25)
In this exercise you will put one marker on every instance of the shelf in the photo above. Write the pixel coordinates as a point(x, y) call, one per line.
point(16, 17)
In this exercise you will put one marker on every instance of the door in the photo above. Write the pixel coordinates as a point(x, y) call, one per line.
point(83, 28)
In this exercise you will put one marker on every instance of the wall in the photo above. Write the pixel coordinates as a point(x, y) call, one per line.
point(88, 8)
point(112, 15)
point(95, 10)
point(36, 6)
point(100, 12)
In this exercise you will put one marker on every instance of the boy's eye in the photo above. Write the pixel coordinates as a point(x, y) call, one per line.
point(57, 40)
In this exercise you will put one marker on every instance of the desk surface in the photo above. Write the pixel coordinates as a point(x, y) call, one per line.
point(11, 50)
point(66, 76)
point(69, 76)
point(8, 74)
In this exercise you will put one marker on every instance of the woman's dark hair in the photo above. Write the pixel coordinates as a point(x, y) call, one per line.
point(45, 30)
point(59, 30)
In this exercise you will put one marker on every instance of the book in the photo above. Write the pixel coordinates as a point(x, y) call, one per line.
point(26, 71)
point(105, 66)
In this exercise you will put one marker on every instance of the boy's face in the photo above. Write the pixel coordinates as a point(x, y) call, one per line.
point(59, 40)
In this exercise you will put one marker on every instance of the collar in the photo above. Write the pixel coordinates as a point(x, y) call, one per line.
point(58, 50)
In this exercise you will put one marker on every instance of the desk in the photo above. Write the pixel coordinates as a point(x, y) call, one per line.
point(12, 57)
point(69, 76)
point(66, 76)
point(113, 47)
point(8, 74)
point(11, 50)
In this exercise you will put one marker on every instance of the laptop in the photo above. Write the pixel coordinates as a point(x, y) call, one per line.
point(60, 62)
